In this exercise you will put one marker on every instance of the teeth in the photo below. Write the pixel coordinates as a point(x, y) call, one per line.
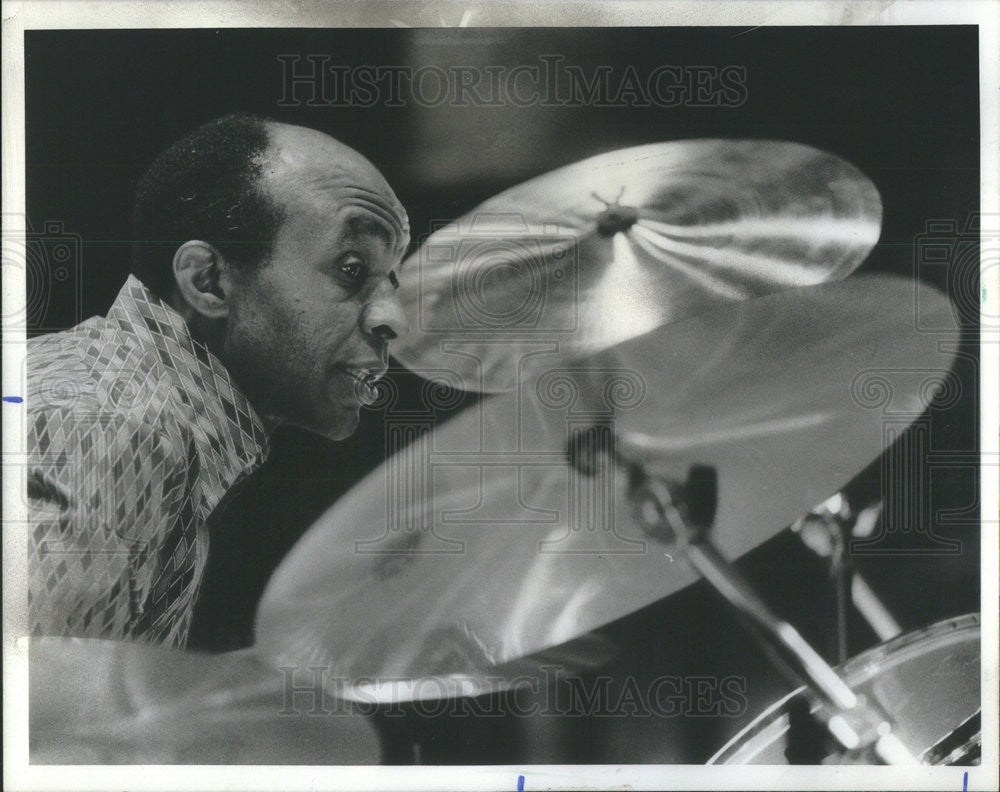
point(368, 381)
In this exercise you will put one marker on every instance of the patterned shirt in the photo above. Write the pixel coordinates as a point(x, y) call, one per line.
point(135, 433)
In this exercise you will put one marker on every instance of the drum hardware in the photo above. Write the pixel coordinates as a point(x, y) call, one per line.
point(117, 702)
point(680, 515)
point(615, 218)
point(927, 680)
point(963, 746)
point(825, 531)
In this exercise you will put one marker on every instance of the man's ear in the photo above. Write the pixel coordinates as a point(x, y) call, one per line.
point(202, 277)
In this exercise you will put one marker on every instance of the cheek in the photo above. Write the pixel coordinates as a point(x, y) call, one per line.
point(260, 324)
point(300, 330)
point(261, 339)
point(329, 329)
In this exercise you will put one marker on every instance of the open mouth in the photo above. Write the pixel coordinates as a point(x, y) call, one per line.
point(365, 383)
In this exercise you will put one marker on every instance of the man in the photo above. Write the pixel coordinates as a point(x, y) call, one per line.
point(262, 292)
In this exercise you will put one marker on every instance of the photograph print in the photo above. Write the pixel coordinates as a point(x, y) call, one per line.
point(459, 395)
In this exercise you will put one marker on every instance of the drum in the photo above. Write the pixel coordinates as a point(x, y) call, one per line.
point(96, 701)
point(927, 681)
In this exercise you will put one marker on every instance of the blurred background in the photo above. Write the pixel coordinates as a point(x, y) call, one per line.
point(899, 103)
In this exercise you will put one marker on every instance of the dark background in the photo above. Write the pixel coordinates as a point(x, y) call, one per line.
point(900, 103)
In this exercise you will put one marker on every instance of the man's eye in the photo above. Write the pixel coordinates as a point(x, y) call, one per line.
point(353, 269)
point(394, 280)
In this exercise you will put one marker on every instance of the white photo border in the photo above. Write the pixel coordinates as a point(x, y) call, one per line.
point(77, 14)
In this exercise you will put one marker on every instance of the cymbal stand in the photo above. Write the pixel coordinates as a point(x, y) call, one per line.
point(826, 531)
point(681, 514)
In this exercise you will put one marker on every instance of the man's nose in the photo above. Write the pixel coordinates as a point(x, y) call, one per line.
point(383, 316)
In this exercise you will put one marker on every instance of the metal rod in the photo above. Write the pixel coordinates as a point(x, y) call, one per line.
point(854, 723)
point(840, 595)
point(874, 612)
point(681, 515)
point(726, 580)
point(832, 521)
point(841, 579)
point(803, 659)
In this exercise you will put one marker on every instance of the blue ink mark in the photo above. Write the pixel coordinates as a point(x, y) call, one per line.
point(520, 782)
point(965, 781)
point(13, 399)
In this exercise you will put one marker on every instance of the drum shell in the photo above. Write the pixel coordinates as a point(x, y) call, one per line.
point(927, 681)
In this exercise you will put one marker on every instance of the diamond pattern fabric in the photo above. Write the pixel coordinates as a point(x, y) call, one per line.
point(135, 433)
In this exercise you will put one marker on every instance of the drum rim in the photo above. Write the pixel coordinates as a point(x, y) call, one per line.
point(852, 667)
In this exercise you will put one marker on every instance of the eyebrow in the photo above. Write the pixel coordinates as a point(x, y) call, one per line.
point(362, 225)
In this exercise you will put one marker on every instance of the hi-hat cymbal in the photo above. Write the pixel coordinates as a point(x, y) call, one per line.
point(477, 544)
point(112, 702)
point(594, 253)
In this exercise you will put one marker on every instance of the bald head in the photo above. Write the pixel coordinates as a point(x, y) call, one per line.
point(301, 162)
point(232, 183)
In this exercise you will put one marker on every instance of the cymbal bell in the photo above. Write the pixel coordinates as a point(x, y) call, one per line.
point(478, 545)
point(606, 249)
point(115, 702)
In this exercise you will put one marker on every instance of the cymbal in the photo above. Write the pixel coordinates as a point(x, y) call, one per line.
point(606, 249)
point(477, 544)
point(112, 702)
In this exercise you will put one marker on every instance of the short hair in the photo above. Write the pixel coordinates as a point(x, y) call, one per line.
point(205, 186)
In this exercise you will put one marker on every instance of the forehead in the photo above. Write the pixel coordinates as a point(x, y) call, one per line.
point(325, 222)
point(341, 212)
point(321, 183)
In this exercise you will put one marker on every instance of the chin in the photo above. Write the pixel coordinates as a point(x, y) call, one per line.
point(342, 426)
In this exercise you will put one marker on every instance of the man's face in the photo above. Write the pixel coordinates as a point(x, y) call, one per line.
point(308, 330)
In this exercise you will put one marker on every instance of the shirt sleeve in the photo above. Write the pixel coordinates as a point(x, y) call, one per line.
point(107, 497)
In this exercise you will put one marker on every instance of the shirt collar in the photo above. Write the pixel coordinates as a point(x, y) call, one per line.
point(230, 437)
